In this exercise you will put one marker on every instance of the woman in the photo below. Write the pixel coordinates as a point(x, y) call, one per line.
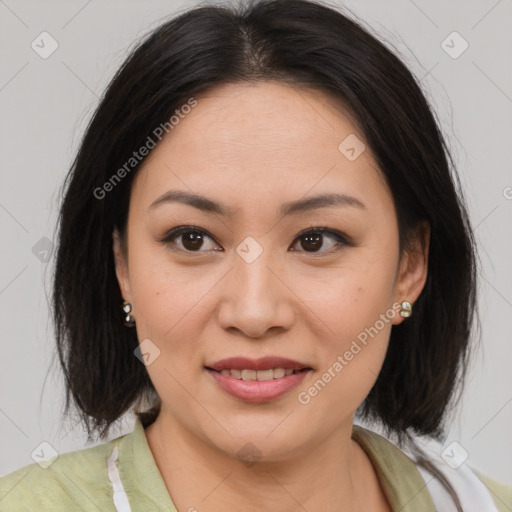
point(261, 239)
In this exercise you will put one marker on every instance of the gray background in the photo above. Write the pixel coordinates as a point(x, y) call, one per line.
point(45, 104)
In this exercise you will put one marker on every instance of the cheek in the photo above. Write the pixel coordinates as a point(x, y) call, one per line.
point(352, 358)
point(353, 295)
point(360, 323)
point(168, 299)
point(355, 309)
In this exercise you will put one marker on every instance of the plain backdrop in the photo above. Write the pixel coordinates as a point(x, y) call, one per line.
point(46, 103)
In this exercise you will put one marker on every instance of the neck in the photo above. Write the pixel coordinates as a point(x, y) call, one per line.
point(199, 476)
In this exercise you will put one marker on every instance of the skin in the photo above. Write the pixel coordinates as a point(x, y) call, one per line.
point(253, 147)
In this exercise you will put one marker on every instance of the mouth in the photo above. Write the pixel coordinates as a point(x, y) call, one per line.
point(258, 385)
point(258, 375)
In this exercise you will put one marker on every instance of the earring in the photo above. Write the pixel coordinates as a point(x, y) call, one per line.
point(129, 320)
point(406, 309)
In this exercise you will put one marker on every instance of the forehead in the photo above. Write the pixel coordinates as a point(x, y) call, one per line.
point(270, 116)
point(259, 138)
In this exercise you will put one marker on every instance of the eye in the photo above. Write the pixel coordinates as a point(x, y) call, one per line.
point(190, 239)
point(314, 239)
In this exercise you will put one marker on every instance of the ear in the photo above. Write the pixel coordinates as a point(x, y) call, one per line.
point(121, 264)
point(412, 273)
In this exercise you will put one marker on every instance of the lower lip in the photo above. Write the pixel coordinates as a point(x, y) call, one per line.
point(258, 391)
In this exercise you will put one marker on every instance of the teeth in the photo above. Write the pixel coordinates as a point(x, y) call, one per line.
point(279, 372)
point(260, 375)
point(249, 375)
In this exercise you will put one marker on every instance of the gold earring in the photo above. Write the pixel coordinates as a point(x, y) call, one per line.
point(406, 309)
point(129, 320)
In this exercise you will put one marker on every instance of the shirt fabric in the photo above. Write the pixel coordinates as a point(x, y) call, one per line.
point(122, 476)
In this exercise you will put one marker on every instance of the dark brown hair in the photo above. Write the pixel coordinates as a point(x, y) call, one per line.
point(304, 44)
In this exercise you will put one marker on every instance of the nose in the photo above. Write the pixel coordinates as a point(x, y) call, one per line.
point(256, 299)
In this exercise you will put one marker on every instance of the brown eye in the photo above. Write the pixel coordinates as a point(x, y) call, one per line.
point(312, 242)
point(192, 240)
point(314, 239)
point(188, 239)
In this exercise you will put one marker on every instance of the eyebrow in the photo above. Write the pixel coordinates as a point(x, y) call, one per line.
point(293, 207)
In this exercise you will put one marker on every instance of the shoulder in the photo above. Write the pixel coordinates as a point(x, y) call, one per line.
point(501, 494)
point(77, 477)
point(399, 472)
point(400, 480)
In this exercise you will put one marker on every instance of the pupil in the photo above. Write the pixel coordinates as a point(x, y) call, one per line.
point(192, 240)
point(312, 241)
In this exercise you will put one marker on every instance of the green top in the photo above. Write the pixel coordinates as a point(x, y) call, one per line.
point(81, 479)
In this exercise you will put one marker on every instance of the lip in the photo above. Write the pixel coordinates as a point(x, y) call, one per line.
point(258, 391)
point(263, 363)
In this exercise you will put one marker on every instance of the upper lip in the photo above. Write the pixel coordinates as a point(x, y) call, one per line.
point(263, 363)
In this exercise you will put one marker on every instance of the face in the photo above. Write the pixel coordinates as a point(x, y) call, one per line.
point(268, 272)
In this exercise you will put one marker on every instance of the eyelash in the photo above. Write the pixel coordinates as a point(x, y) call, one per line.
point(341, 240)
